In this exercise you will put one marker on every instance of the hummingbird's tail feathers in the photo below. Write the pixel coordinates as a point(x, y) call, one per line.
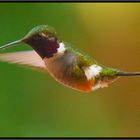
point(11, 44)
point(121, 73)
point(29, 58)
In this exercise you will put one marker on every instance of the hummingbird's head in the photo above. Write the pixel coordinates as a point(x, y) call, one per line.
point(42, 39)
point(39, 32)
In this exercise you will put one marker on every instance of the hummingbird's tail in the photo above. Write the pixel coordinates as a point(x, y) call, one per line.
point(121, 73)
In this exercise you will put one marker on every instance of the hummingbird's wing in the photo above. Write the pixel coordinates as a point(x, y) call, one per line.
point(29, 58)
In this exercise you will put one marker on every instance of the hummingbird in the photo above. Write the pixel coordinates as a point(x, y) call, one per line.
point(65, 63)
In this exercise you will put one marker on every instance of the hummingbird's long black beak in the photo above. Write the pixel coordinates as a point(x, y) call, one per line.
point(11, 44)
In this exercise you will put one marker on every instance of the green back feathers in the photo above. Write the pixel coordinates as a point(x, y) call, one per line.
point(106, 71)
point(82, 58)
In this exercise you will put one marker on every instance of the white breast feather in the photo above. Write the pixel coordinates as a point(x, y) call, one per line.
point(92, 71)
point(100, 84)
point(61, 48)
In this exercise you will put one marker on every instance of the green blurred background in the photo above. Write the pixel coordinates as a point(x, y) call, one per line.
point(33, 104)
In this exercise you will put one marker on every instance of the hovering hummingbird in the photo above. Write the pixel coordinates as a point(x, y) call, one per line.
point(64, 63)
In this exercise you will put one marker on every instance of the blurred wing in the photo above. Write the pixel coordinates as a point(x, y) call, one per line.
point(29, 58)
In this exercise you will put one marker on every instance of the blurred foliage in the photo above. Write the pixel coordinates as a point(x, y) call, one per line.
point(33, 104)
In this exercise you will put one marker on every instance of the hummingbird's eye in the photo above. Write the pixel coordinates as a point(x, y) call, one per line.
point(39, 36)
point(51, 38)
